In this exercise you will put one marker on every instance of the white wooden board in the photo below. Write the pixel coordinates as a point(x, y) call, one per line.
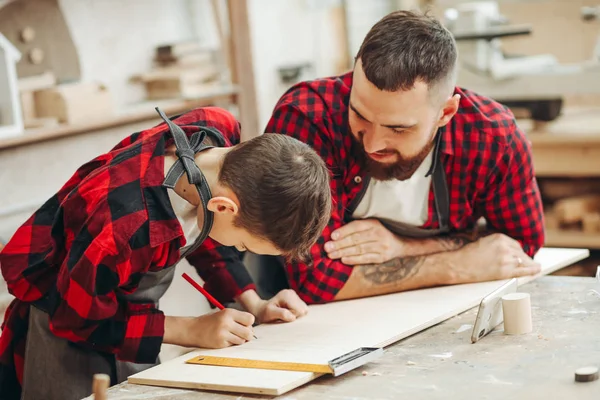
point(331, 330)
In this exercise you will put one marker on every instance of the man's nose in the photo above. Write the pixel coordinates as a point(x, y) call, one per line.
point(372, 142)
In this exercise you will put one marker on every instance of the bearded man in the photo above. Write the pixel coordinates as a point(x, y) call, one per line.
point(417, 162)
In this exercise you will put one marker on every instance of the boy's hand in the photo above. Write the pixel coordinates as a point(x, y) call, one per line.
point(286, 306)
point(225, 328)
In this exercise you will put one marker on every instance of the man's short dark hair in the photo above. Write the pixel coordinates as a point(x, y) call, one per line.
point(283, 187)
point(404, 47)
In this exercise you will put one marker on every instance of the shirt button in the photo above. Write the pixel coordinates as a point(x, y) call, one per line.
point(357, 179)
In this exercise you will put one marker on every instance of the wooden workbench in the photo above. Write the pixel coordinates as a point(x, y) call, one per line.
point(441, 362)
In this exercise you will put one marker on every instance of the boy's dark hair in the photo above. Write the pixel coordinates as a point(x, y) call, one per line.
point(283, 188)
point(406, 46)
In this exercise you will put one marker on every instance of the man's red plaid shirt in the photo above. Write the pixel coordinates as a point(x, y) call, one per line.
point(104, 229)
point(486, 157)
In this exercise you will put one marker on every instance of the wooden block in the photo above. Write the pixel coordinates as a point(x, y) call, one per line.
point(74, 103)
point(185, 75)
point(186, 60)
point(572, 210)
point(28, 106)
point(27, 87)
point(174, 50)
point(166, 89)
point(45, 80)
point(516, 310)
point(47, 122)
point(174, 82)
point(586, 374)
point(591, 222)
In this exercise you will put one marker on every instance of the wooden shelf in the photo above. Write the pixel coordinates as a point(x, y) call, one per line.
point(135, 113)
point(568, 146)
point(572, 238)
point(576, 125)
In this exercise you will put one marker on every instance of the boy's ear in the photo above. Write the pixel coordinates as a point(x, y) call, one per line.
point(223, 205)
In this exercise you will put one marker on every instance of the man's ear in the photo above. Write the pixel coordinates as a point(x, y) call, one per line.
point(449, 108)
point(223, 205)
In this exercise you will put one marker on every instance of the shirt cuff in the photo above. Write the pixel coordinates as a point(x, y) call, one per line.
point(225, 284)
point(144, 334)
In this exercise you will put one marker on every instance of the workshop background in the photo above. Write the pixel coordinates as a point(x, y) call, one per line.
point(76, 76)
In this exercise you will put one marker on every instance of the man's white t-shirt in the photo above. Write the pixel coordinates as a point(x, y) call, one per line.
point(399, 201)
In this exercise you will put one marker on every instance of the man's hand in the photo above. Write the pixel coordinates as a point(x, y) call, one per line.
point(364, 241)
point(493, 257)
point(224, 328)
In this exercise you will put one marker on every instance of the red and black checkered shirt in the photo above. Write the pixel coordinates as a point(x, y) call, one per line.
point(111, 223)
point(487, 160)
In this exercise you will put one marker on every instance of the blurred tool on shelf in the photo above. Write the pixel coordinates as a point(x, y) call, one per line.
point(538, 82)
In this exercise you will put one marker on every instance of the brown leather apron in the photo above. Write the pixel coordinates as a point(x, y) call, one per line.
point(58, 369)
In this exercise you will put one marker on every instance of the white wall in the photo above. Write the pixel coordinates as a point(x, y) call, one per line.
point(285, 33)
point(116, 39)
point(302, 31)
point(361, 16)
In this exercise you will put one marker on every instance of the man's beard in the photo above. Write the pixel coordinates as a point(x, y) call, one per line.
point(403, 168)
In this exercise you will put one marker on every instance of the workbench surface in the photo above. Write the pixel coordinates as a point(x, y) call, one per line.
point(441, 362)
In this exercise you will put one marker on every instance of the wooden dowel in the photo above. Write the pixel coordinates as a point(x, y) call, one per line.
point(101, 384)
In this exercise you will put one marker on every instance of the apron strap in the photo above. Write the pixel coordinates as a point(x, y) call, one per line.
point(440, 187)
point(186, 151)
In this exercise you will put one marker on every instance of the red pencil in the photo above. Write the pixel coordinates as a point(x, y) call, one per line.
point(212, 300)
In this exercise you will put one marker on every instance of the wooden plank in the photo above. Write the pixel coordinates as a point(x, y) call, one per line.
point(579, 125)
point(242, 72)
point(140, 112)
point(37, 82)
point(568, 146)
point(567, 160)
point(331, 330)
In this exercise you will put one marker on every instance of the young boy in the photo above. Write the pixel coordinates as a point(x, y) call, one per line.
point(88, 268)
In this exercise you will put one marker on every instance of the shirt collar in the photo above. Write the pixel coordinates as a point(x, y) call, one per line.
point(163, 223)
